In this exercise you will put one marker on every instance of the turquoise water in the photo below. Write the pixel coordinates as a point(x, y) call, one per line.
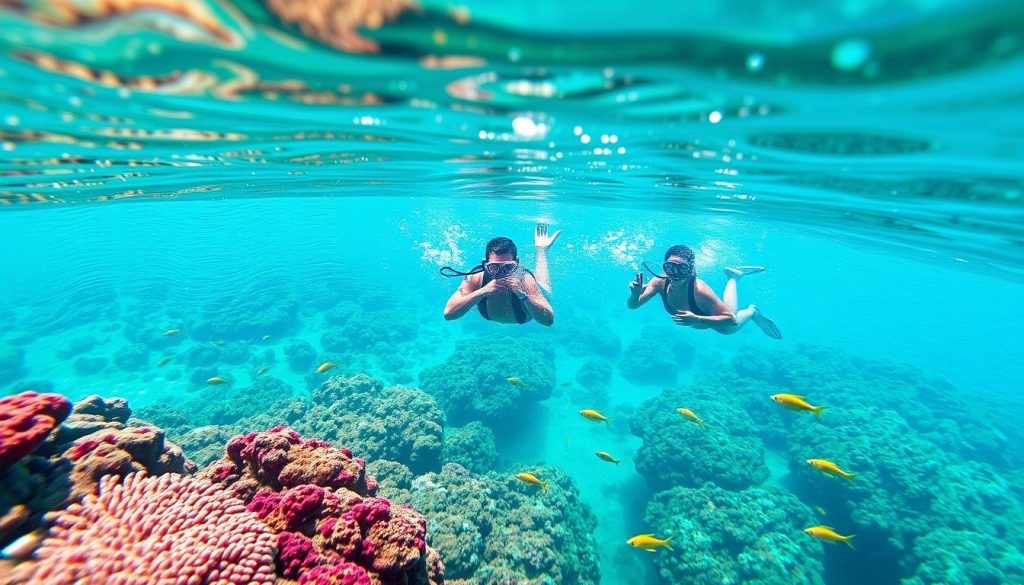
point(237, 179)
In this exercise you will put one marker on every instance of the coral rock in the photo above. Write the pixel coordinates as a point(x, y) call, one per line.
point(26, 420)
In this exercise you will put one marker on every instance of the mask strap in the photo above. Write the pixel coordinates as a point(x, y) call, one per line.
point(653, 273)
point(449, 272)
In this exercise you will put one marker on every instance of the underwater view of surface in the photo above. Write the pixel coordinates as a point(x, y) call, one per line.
point(238, 345)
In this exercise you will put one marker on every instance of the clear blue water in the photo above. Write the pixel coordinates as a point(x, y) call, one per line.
point(241, 179)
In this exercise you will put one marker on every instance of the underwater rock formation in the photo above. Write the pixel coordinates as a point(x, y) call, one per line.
point(679, 452)
point(495, 529)
point(172, 528)
point(301, 355)
point(472, 384)
point(396, 423)
point(750, 536)
point(656, 357)
point(132, 358)
point(471, 446)
point(322, 506)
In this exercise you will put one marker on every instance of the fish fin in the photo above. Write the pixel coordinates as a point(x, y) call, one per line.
point(607, 421)
point(544, 484)
point(668, 543)
point(847, 541)
point(651, 534)
point(617, 464)
point(650, 550)
point(818, 409)
point(850, 476)
point(828, 528)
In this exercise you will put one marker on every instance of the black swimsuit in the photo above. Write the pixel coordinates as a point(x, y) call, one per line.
point(694, 307)
point(517, 307)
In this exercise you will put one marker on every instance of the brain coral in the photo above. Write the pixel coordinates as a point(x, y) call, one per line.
point(168, 529)
point(722, 536)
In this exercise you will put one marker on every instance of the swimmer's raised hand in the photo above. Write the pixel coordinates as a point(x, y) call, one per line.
point(541, 238)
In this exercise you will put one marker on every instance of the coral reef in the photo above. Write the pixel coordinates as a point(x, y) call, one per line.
point(322, 506)
point(581, 336)
point(723, 536)
point(495, 529)
point(677, 452)
point(87, 366)
point(26, 420)
point(336, 22)
point(397, 423)
point(956, 557)
point(264, 308)
point(132, 358)
point(656, 357)
point(300, 354)
point(170, 528)
point(471, 446)
point(472, 384)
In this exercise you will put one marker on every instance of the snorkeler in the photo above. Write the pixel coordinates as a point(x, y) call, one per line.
point(501, 289)
point(690, 300)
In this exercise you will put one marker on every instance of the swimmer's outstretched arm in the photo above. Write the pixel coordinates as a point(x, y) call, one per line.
point(543, 242)
point(466, 297)
point(536, 303)
point(640, 294)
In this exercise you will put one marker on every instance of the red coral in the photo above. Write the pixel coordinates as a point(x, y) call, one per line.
point(295, 555)
point(25, 421)
point(300, 503)
point(265, 503)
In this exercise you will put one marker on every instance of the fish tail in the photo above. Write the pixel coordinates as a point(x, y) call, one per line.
point(544, 485)
point(818, 409)
point(668, 543)
point(849, 476)
point(700, 422)
point(616, 463)
point(848, 539)
point(607, 421)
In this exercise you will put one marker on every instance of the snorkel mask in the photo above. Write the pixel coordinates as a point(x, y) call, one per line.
point(673, 271)
point(498, 270)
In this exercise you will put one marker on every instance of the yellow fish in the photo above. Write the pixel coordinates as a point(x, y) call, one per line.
point(517, 382)
point(607, 457)
point(828, 468)
point(170, 332)
point(531, 478)
point(690, 415)
point(220, 342)
point(649, 543)
point(263, 370)
point(163, 362)
point(828, 534)
point(216, 380)
point(594, 416)
point(797, 403)
point(819, 510)
point(326, 366)
point(266, 338)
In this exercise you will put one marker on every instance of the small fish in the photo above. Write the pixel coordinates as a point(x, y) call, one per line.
point(517, 382)
point(797, 403)
point(221, 342)
point(22, 547)
point(828, 468)
point(690, 415)
point(325, 366)
point(566, 384)
point(607, 457)
point(531, 478)
point(567, 442)
point(594, 416)
point(649, 543)
point(263, 370)
point(171, 332)
point(216, 380)
point(266, 338)
point(828, 534)
point(163, 362)
point(819, 510)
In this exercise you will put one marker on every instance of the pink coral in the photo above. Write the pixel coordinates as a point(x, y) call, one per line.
point(295, 555)
point(340, 574)
point(25, 421)
point(167, 529)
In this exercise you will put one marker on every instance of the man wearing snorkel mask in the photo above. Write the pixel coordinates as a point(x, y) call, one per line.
point(501, 289)
point(692, 303)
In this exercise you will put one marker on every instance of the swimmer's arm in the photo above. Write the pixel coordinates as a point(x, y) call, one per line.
point(465, 298)
point(718, 314)
point(536, 303)
point(635, 301)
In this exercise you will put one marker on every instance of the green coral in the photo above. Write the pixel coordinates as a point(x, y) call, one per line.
point(752, 536)
point(679, 452)
point(471, 446)
point(472, 384)
point(956, 557)
point(493, 528)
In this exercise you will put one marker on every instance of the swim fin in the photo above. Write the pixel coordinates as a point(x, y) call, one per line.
point(767, 325)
